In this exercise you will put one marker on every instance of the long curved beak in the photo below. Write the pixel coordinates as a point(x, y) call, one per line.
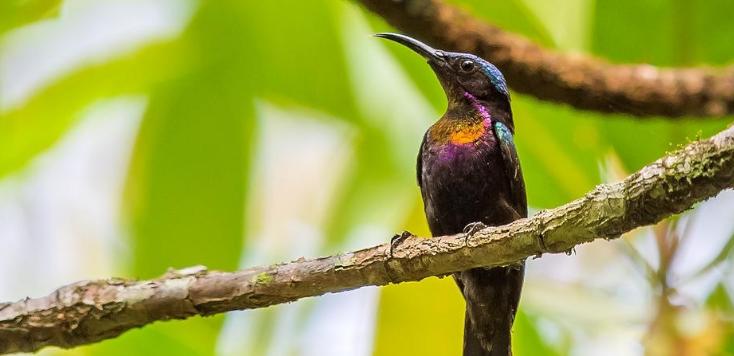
point(419, 47)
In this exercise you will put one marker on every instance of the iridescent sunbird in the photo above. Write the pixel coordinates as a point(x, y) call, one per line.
point(469, 175)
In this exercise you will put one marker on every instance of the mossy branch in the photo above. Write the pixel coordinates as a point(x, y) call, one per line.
point(91, 311)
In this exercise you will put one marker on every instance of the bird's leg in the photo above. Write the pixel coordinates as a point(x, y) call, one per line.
point(396, 240)
point(471, 229)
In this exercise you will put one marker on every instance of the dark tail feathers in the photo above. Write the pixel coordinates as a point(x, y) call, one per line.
point(491, 295)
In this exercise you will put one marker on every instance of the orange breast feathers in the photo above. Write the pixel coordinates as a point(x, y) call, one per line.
point(457, 133)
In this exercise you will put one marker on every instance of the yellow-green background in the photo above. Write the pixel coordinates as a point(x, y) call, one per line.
point(193, 192)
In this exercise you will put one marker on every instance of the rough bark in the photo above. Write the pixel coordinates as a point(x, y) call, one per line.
point(90, 311)
point(580, 81)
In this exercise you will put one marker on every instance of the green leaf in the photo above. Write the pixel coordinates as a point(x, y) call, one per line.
point(512, 15)
point(661, 33)
point(16, 13)
point(559, 149)
point(720, 300)
point(634, 31)
point(299, 58)
point(527, 340)
point(425, 318)
point(190, 337)
point(373, 182)
point(566, 21)
point(37, 124)
point(187, 186)
point(664, 32)
point(711, 30)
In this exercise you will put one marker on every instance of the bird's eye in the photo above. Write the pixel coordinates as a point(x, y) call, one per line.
point(467, 66)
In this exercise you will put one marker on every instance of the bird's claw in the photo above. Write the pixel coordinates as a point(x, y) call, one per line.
point(396, 240)
point(471, 229)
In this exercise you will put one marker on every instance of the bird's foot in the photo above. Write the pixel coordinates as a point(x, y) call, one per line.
point(396, 240)
point(471, 229)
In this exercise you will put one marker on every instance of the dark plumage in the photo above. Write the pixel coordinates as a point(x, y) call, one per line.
point(469, 172)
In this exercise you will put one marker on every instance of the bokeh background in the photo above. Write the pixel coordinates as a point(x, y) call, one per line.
point(138, 135)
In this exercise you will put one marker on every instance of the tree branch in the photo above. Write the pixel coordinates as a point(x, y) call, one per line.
point(580, 81)
point(90, 311)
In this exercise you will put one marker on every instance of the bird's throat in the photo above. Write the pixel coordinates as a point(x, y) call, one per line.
point(480, 109)
point(467, 134)
point(465, 124)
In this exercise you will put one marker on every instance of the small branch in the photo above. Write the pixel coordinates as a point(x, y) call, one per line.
point(90, 311)
point(580, 81)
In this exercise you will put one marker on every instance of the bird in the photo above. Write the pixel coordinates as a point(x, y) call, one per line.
point(469, 174)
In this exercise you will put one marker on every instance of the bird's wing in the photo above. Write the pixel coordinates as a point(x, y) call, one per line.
point(419, 164)
point(512, 167)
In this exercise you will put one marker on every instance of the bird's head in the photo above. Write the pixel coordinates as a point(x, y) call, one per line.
point(464, 77)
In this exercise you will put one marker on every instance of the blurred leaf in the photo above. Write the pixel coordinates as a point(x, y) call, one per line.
point(35, 125)
point(425, 318)
point(566, 21)
point(728, 347)
point(640, 142)
point(673, 32)
point(711, 30)
point(670, 37)
point(189, 337)
point(299, 57)
point(186, 190)
point(386, 142)
point(526, 339)
point(373, 182)
point(512, 15)
point(559, 149)
point(719, 335)
point(720, 300)
point(634, 31)
point(16, 13)
point(414, 66)
point(660, 33)
point(723, 256)
point(187, 185)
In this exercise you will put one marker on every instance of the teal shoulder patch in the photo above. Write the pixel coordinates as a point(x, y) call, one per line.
point(503, 133)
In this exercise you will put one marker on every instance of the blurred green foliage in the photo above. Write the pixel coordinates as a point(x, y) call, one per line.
point(188, 186)
point(16, 13)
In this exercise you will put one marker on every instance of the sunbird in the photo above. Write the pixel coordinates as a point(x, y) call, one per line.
point(469, 176)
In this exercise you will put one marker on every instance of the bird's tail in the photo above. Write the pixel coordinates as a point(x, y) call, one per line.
point(491, 295)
